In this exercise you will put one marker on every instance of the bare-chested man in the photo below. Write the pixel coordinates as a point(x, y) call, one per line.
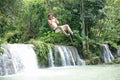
point(53, 22)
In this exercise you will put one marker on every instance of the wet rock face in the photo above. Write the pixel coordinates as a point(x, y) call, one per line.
point(118, 52)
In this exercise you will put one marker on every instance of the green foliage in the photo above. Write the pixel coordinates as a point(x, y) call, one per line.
point(9, 19)
point(31, 18)
point(27, 18)
point(117, 61)
point(55, 38)
point(1, 49)
point(42, 49)
point(94, 60)
point(107, 30)
point(34, 18)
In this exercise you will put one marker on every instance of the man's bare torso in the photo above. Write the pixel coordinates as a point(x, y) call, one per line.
point(53, 23)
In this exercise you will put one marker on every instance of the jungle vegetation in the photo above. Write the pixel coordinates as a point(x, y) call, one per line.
point(94, 21)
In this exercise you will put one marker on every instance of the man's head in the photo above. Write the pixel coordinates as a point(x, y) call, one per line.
point(50, 16)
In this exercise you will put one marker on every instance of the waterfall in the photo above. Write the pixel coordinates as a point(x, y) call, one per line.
point(16, 58)
point(118, 52)
point(50, 58)
point(107, 55)
point(22, 58)
point(65, 56)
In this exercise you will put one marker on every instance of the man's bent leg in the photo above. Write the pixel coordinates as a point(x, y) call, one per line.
point(62, 30)
point(69, 29)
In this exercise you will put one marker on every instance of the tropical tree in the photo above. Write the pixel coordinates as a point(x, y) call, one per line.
point(108, 29)
point(9, 11)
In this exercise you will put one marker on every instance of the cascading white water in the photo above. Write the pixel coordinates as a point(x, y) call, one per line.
point(18, 57)
point(65, 56)
point(50, 58)
point(62, 55)
point(118, 52)
point(79, 61)
point(107, 55)
point(22, 58)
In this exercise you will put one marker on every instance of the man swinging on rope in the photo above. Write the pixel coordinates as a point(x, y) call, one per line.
point(53, 22)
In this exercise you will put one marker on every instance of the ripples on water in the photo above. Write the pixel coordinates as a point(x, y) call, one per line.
point(99, 72)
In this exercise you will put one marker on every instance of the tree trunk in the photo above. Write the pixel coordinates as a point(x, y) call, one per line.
point(83, 27)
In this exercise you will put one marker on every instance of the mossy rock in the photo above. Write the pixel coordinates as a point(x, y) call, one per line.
point(1, 50)
point(117, 60)
point(93, 61)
